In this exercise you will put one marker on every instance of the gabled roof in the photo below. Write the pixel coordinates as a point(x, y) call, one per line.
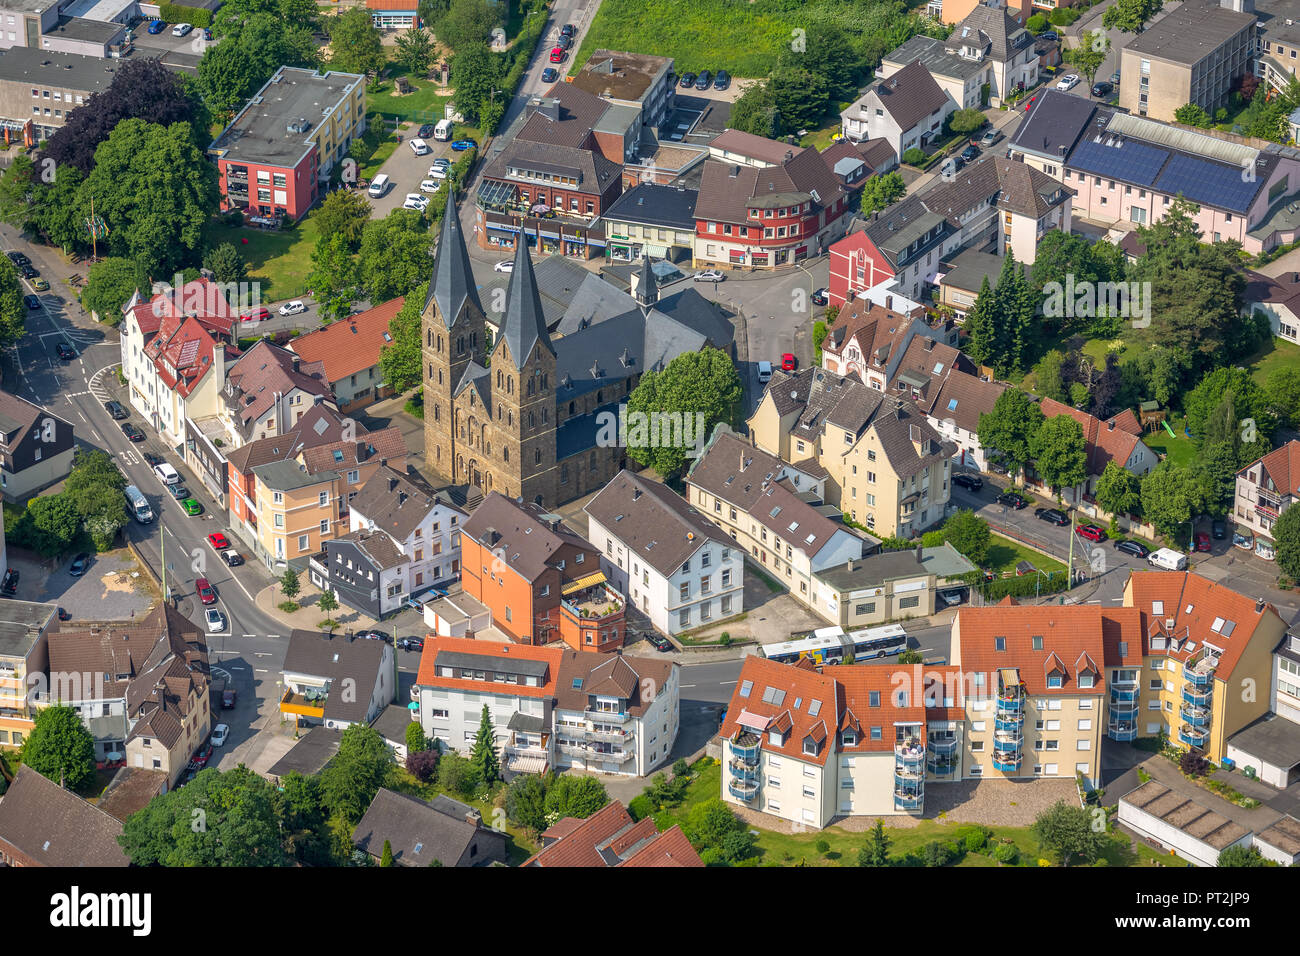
point(337, 660)
point(55, 827)
point(543, 661)
point(17, 416)
point(768, 692)
point(452, 287)
point(384, 444)
point(319, 425)
point(991, 29)
point(963, 398)
point(526, 535)
point(1112, 440)
point(399, 503)
point(379, 549)
point(1279, 470)
point(908, 96)
point(523, 325)
point(609, 837)
point(728, 191)
point(752, 146)
point(563, 116)
point(417, 832)
point(351, 345)
point(265, 373)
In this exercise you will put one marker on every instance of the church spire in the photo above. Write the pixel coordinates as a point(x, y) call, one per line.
point(452, 284)
point(647, 286)
point(523, 324)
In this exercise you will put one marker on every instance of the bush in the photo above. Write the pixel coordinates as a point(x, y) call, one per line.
point(681, 768)
point(1063, 16)
point(422, 764)
point(974, 838)
point(938, 854)
point(640, 807)
point(823, 847)
point(1193, 764)
point(1037, 23)
point(914, 157)
point(288, 607)
point(1006, 852)
point(175, 13)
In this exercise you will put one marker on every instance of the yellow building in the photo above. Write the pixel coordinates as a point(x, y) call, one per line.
point(24, 651)
point(886, 467)
point(296, 510)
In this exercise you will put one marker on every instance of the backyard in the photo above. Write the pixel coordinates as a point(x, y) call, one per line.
point(519, 846)
point(1004, 554)
point(425, 103)
point(280, 260)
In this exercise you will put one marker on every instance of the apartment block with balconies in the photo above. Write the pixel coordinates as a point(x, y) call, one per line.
point(24, 653)
point(1265, 488)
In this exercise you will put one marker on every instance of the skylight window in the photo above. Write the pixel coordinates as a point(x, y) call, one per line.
point(1158, 608)
point(1217, 626)
point(746, 687)
point(577, 683)
point(814, 708)
point(952, 404)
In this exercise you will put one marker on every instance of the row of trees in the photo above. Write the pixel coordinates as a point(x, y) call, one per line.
point(90, 510)
point(1017, 433)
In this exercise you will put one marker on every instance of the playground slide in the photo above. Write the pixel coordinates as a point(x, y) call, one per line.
point(1168, 429)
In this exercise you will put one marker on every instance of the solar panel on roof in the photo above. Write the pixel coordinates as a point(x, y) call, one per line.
point(1130, 162)
point(1203, 181)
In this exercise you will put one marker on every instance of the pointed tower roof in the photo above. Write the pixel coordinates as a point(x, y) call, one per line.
point(452, 283)
point(647, 286)
point(523, 324)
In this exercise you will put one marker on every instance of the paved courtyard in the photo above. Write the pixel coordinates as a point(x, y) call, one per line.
point(114, 588)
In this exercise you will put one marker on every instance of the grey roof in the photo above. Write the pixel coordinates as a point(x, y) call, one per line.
point(377, 546)
point(970, 267)
point(578, 434)
point(391, 723)
point(55, 827)
point(452, 285)
point(417, 832)
point(1271, 739)
point(655, 205)
point(694, 311)
point(593, 172)
point(477, 376)
point(527, 534)
point(1194, 819)
point(21, 622)
point(945, 561)
point(526, 724)
point(68, 71)
point(289, 475)
point(894, 230)
point(910, 95)
point(647, 286)
point(653, 521)
point(523, 325)
point(312, 752)
point(1057, 125)
point(398, 503)
point(79, 28)
point(337, 659)
point(1190, 33)
point(500, 665)
point(595, 300)
point(874, 570)
point(991, 29)
point(935, 58)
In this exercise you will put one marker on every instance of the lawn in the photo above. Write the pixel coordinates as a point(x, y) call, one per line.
point(280, 260)
point(424, 104)
point(372, 150)
point(1004, 554)
point(519, 846)
point(1275, 356)
point(1181, 449)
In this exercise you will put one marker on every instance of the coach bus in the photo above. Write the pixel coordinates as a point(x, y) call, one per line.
point(828, 645)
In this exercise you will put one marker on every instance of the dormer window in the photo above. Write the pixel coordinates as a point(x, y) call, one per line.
point(850, 738)
point(1085, 680)
point(775, 738)
point(810, 746)
point(1055, 679)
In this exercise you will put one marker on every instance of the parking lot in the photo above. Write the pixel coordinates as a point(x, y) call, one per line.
point(192, 43)
point(406, 170)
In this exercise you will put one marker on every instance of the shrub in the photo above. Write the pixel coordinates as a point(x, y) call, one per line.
point(1037, 23)
point(914, 157)
point(422, 764)
point(725, 639)
point(1006, 853)
point(288, 607)
point(937, 854)
point(974, 838)
point(681, 768)
point(823, 847)
point(1193, 764)
point(175, 13)
point(640, 807)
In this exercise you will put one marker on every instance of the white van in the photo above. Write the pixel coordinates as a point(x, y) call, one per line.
point(1168, 559)
point(419, 147)
point(379, 185)
point(139, 504)
point(442, 131)
point(166, 473)
point(764, 372)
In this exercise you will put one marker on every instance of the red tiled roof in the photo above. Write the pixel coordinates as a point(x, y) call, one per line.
point(1195, 604)
point(351, 345)
point(670, 848)
point(1282, 466)
point(428, 674)
point(792, 685)
point(184, 345)
point(607, 836)
point(200, 299)
point(1103, 443)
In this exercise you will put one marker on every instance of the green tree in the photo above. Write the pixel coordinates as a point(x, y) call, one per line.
point(490, 113)
point(354, 775)
point(415, 739)
point(1240, 855)
point(1119, 491)
point(820, 330)
point(13, 311)
point(911, 656)
point(1192, 115)
point(400, 360)
point(54, 524)
point(416, 50)
point(483, 757)
point(216, 820)
point(301, 809)
point(1282, 393)
point(328, 604)
point(226, 264)
point(355, 43)
point(1050, 378)
point(829, 53)
point(1171, 495)
point(333, 278)
point(876, 852)
point(17, 189)
point(227, 76)
point(344, 212)
point(801, 97)
point(969, 534)
point(387, 858)
point(476, 73)
point(1007, 431)
point(711, 825)
point(1067, 832)
point(964, 122)
point(755, 111)
point(1250, 402)
point(1059, 453)
point(155, 190)
point(466, 22)
point(394, 255)
point(55, 210)
point(526, 801)
point(1130, 16)
point(570, 796)
point(1286, 536)
point(289, 584)
point(1089, 55)
point(880, 192)
point(60, 747)
point(110, 283)
point(456, 774)
point(695, 383)
point(981, 326)
point(1036, 24)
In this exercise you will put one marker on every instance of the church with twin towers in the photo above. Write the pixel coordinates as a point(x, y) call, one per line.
point(522, 417)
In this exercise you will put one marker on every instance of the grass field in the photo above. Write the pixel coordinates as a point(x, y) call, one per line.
point(280, 260)
point(1181, 449)
point(1278, 355)
point(426, 98)
point(1004, 554)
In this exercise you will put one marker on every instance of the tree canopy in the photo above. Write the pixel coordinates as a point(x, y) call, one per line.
point(880, 192)
point(696, 383)
point(355, 42)
point(400, 361)
point(60, 747)
point(1067, 833)
point(351, 779)
point(1007, 430)
point(394, 256)
point(1059, 453)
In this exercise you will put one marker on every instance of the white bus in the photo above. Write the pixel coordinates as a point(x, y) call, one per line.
point(829, 644)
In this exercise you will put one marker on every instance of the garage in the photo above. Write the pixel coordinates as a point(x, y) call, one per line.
point(1193, 831)
point(1271, 747)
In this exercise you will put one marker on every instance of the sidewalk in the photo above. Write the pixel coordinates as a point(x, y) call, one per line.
point(308, 616)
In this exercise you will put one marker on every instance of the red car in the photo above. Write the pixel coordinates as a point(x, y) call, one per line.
point(203, 753)
point(1202, 541)
point(1091, 532)
point(787, 362)
point(557, 55)
point(206, 594)
point(218, 541)
point(258, 315)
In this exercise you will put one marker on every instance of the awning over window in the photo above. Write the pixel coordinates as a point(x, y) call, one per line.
point(584, 582)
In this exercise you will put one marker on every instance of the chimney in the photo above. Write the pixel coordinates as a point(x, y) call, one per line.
point(392, 483)
point(636, 493)
point(472, 818)
point(1110, 425)
point(889, 302)
point(401, 498)
point(848, 565)
point(918, 552)
point(929, 344)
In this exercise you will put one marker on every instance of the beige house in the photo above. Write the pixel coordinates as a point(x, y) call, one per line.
point(885, 465)
point(1266, 488)
point(296, 511)
point(36, 447)
point(24, 658)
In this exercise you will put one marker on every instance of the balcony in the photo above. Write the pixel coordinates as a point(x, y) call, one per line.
point(306, 703)
point(1198, 670)
point(1009, 724)
point(1124, 695)
point(740, 771)
point(594, 603)
point(1010, 703)
point(909, 757)
point(572, 749)
point(908, 801)
point(942, 765)
point(1008, 762)
point(610, 735)
point(1121, 730)
point(1193, 738)
point(1197, 698)
point(742, 789)
point(606, 717)
point(609, 756)
point(1197, 717)
point(746, 747)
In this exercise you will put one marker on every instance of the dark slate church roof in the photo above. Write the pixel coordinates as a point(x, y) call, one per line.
point(524, 324)
point(452, 284)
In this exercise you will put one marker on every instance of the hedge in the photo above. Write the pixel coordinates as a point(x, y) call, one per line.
point(178, 13)
point(1027, 585)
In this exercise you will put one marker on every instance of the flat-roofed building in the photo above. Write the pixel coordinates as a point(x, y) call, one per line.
point(1191, 829)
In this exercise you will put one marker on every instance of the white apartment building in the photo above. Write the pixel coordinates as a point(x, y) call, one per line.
point(667, 558)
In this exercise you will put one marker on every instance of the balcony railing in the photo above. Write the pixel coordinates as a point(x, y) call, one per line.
point(1007, 763)
point(1198, 670)
point(1010, 702)
point(943, 746)
point(1121, 730)
point(609, 756)
point(746, 747)
point(742, 789)
point(573, 749)
point(1193, 738)
point(1124, 695)
point(942, 765)
point(1008, 739)
point(613, 736)
point(606, 717)
point(1197, 717)
point(1009, 723)
point(1197, 698)
point(908, 801)
point(740, 771)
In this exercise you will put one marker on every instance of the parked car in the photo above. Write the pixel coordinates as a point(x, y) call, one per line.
point(410, 643)
point(232, 558)
point(442, 162)
point(229, 698)
point(989, 138)
point(219, 735)
point(203, 588)
point(182, 29)
point(1219, 529)
point(18, 258)
point(65, 351)
point(258, 315)
point(821, 297)
point(1052, 516)
point(1049, 35)
point(416, 201)
point(192, 507)
point(115, 410)
point(28, 270)
point(952, 597)
point(659, 642)
point(178, 491)
point(709, 275)
point(568, 30)
point(32, 301)
point(558, 54)
point(10, 583)
point(40, 285)
point(787, 361)
point(218, 541)
point(969, 482)
point(722, 80)
point(764, 372)
point(425, 131)
point(437, 172)
point(296, 307)
point(704, 80)
point(156, 27)
point(79, 565)
point(373, 635)
point(1102, 88)
point(152, 460)
point(969, 153)
point(131, 432)
point(550, 74)
point(1202, 541)
point(687, 80)
point(203, 754)
point(1091, 532)
point(1114, 78)
point(215, 619)
point(1068, 82)
point(463, 144)
point(564, 41)
point(1135, 548)
point(505, 265)
point(1011, 500)
point(430, 186)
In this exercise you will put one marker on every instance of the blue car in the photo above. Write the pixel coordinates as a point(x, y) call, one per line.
point(463, 144)
point(157, 26)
